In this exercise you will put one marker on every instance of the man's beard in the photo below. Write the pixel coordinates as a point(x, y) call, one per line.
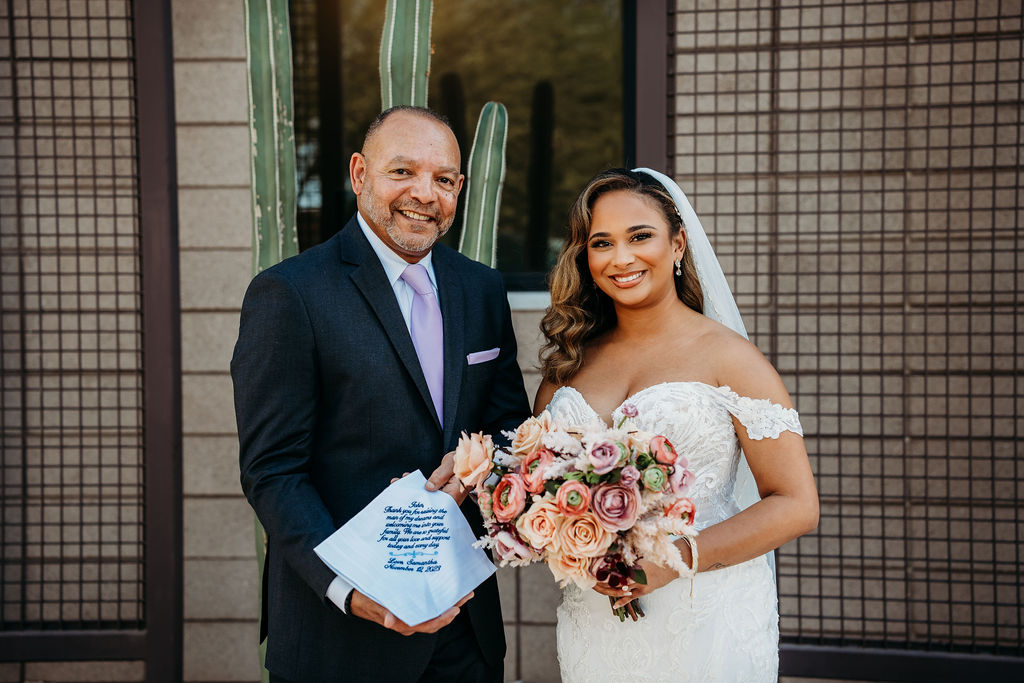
point(412, 242)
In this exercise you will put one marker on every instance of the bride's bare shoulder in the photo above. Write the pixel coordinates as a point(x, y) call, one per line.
point(545, 392)
point(740, 365)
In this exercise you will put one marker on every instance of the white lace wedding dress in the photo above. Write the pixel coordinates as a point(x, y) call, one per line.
point(726, 628)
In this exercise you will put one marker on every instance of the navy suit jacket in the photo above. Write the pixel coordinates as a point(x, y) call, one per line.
point(331, 404)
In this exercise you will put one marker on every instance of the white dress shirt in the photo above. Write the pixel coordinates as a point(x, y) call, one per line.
point(394, 266)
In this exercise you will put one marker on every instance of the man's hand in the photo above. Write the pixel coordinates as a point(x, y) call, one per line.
point(444, 479)
point(365, 608)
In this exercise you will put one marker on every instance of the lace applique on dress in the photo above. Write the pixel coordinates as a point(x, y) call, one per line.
point(762, 418)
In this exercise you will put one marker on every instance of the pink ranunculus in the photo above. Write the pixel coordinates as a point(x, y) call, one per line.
point(616, 506)
point(584, 536)
point(681, 508)
point(508, 548)
point(630, 475)
point(539, 525)
point(629, 410)
point(573, 498)
point(473, 458)
point(604, 457)
point(483, 500)
point(509, 497)
point(532, 469)
point(681, 479)
point(662, 450)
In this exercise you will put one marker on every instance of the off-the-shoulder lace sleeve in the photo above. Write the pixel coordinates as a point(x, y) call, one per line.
point(762, 418)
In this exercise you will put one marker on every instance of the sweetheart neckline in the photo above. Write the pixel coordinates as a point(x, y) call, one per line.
point(633, 395)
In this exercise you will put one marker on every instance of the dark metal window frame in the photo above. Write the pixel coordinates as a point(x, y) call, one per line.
point(648, 28)
point(160, 644)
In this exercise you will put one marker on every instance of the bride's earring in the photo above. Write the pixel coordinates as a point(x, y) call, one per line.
point(679, 267)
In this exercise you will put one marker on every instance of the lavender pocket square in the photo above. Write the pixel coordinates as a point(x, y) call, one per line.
point(482, 356)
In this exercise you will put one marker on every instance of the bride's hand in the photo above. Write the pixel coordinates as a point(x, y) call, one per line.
point(657, 576)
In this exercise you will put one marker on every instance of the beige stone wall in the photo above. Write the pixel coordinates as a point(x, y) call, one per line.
point(220, 571)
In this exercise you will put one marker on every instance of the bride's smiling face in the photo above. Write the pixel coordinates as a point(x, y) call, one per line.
point(631, 251)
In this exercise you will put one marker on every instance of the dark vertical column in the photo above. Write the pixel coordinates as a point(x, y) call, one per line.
point(652, 69)
point(540, 176)
point(161, 339)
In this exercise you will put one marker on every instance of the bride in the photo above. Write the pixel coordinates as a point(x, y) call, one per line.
point(641, 318)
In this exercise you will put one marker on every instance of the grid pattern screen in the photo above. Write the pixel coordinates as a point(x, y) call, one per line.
point(857, 165)
point(71, 498)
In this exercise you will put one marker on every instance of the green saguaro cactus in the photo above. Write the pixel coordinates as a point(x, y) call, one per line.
point(271, 131)
point(404, 70)
point(405, 53)
point(485, 178)
point(271, 163)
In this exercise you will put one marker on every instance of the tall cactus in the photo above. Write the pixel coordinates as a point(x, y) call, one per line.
point(405, 53)
point(271, 131)
point(404, 68)
point(271, 163)
point(486, 175)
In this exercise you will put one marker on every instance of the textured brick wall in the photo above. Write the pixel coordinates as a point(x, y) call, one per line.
point(220, 570)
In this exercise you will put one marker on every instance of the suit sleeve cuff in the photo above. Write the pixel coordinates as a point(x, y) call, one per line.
point(338, 591)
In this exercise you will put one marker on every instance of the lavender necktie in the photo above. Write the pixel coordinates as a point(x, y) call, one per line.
point(427, 333)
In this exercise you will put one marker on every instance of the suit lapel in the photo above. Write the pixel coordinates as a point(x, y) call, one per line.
point(449, 285)
point(371, 280)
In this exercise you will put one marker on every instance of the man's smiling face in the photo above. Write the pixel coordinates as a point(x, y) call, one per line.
point(407, 182)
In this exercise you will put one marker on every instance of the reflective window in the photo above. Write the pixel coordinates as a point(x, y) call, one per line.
point(557, 68)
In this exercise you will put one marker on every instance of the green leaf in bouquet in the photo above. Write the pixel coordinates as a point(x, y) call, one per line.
point(638, 575)
point(614, 477)
point(593, 477)
point(551, 486)
point(575, 476)
point(644, 460)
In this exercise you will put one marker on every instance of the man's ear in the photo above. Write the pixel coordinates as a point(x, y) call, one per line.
point(357, 172)
point(462, 179)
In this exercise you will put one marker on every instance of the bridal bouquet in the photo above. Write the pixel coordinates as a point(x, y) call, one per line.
point(590, 501)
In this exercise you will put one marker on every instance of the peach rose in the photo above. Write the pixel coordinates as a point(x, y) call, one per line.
point(566, 568)
point(509, 498)
point(539, 526)
point(573, 498)
point(533, 468)
point(473, 458)
point(584, 536)
point(530, 435)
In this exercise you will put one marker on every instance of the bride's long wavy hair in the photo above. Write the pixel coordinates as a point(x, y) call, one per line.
point(580, 311)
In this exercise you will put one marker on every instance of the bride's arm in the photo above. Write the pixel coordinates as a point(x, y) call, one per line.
point(789, 499)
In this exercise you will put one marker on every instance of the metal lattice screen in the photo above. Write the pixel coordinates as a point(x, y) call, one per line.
point(858, 166)
point(71, 509)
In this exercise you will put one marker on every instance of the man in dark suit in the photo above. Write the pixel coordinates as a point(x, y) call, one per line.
point(345, 377)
